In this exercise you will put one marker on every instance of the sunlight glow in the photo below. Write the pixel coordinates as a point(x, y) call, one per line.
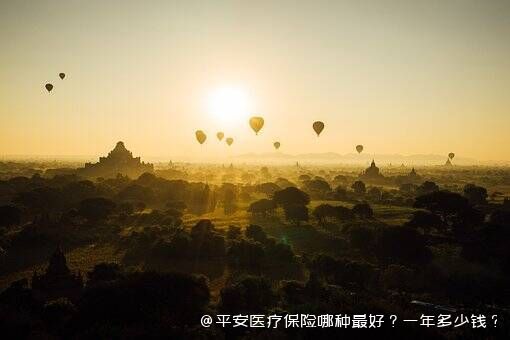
point(229, 105)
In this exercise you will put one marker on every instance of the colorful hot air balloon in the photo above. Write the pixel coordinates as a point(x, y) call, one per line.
point(359, 148)
point(229, 141)
point(201, 136)
point(451, 155)
point(220, 135)
point(276, 145)
point(256, 124)
point(48, 87)
point(62, 75)
point(318, 126)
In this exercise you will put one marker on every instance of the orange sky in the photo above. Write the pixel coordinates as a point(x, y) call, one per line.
point(406, 77)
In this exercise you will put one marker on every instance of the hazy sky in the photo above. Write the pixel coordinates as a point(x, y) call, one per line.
point(397, 76)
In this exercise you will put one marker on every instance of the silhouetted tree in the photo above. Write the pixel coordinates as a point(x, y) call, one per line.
point(268, 188)
point(359, 187)
point(375, 193)
point(425, 220)
point(426, 187)
point(262, 207)
point(229, 202)
point(363, 210)
point(324, 211)
point(296, 213)
point(362, 238)
point(103, 272)
point(9, 216)
point(136, 192)
point(444, 203)
point(233, 232)
point(96, 209)
point(408, 188)
point(401, 245)
point(291, 196)
point(256, 233)
point(476, 195)
point(252, 295)
point(316, 187)
point(343, 213)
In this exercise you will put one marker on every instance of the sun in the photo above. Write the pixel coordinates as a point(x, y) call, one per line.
point(229, 105)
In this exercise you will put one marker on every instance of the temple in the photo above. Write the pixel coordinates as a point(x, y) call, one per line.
point(58, 280)
point(371, 173)
point(413, 177)
point(118, 161)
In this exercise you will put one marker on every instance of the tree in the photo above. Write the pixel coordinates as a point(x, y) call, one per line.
point(9, 216)
point(262, 207)
point(359, 187)
point(316, 187)
point(256, 233)
point(425, 220)
point(96, 209)
point(375, 193)
point(363, 210)
point(303, 178)
point(408, 188)
point(401, 245)
point(324, 211)
point(41, 200)
point(233, 232)
point(476, 195)
point(229, 201)
point(136, 192)
point(340, 193)
point(361, 237)
point(268, 188)
point(343, 213)
point(252, 295)
point(103, 272)
point(444, 203)
point(296, 213)
point(426, 187)
point(291, 196)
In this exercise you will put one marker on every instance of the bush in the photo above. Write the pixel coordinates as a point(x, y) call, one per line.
point(363, 210)
point(252, 295)
point(401, 245)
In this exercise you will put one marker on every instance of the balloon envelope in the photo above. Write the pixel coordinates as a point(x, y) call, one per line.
point(451, 155)
point(220, 135)
point(276, 145)
point(62, 75)
point(256, 123)
point(229, 141)
point(318, 126)
point(201, 137)
point(359, 148)
point(48, 87)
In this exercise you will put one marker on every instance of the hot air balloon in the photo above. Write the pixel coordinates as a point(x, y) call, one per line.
point(359, 148)
point(62, 75)
point(48, 87)
point(276, 145)
point(229, 141)
point(201, 137)
point(451, 155)
point(318, 126)
point(256, 124)
point(220, 135)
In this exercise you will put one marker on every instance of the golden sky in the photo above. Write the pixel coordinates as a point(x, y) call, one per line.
point(408, 77)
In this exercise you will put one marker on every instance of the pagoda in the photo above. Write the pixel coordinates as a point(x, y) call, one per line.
point(119, 161)
point(371, 173)
point(58, 280)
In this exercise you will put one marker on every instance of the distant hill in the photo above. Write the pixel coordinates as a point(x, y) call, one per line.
point(353, 158)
